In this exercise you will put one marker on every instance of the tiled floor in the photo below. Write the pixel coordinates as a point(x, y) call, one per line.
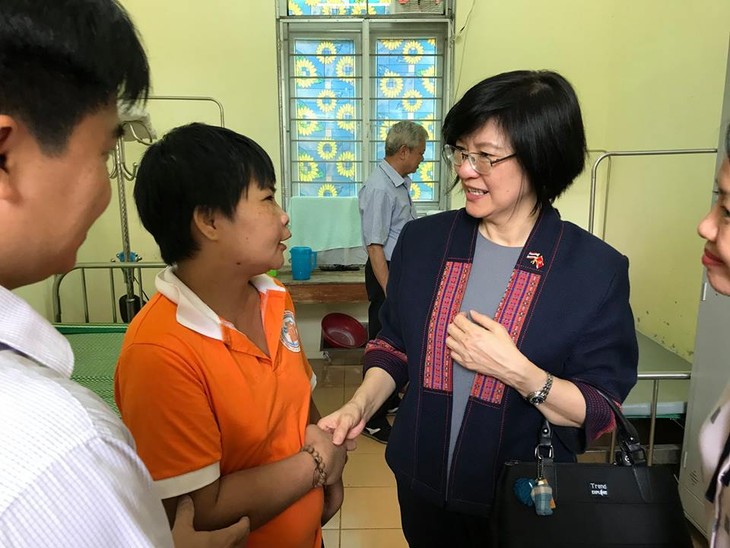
point(369, 517)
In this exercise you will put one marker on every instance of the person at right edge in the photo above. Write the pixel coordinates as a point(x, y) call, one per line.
point(715, 434)
point(499, 315)
point(385, 207)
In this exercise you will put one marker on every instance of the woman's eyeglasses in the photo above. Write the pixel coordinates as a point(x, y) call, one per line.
point(479, 161)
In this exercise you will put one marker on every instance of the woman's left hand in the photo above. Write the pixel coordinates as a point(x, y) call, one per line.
point(484, 345)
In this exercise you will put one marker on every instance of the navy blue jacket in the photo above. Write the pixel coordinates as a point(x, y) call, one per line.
point(567, 309)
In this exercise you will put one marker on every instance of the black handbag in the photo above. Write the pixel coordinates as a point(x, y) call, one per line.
point(596, 505)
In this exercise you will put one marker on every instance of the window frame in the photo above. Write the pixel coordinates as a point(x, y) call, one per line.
point(365, 30)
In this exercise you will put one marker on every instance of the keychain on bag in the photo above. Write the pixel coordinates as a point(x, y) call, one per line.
point(542, 493)
point(536, 492)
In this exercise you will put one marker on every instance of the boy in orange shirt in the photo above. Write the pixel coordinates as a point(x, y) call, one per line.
point(212, 380)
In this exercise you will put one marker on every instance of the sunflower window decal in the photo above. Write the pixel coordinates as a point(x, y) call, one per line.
point(327, 150)
point(345, 68)
point(428, 79)
point(412, 100)
point(412, 52)
point(307, 123)
point(359, 7)
point(425, 171)
point(346, 164)
point(384, 127)
point(308, 168)
point(346, 117)
point(327, 100)
point(305, 72)
point(391, 84)
point(327, 189)
point(326, 52)
point(391, 45)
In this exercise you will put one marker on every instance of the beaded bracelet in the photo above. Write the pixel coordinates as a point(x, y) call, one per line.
point(319, 478)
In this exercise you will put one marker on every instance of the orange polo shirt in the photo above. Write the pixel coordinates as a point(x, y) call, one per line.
point(203, 401)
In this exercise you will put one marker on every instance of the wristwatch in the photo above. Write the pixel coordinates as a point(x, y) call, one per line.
point(539, 396)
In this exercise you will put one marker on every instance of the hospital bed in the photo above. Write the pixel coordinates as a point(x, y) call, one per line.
point(94, 328)
point(96, 349)
point(664, 372)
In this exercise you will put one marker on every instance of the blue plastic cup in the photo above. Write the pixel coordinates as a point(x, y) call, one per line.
point(301, 262)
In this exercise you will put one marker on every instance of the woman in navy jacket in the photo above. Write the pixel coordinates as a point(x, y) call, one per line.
point(482, 378)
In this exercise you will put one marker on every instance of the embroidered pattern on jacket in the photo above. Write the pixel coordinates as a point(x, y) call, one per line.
point(438, 363)
point(511, 313)
point(379, 344)
point(520, 293)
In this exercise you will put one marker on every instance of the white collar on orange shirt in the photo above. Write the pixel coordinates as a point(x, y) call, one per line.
point(192, 312)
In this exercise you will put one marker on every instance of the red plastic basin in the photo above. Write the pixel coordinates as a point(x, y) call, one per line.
point(343, 331)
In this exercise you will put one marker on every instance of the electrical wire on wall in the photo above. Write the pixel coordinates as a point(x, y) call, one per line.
point(463, 31)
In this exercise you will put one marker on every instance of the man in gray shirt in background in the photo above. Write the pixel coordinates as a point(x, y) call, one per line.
point(385, 207)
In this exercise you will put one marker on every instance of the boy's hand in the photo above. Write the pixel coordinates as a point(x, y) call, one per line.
point(184, 534)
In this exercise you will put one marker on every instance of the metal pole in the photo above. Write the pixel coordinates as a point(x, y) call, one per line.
point(122, 176)
point(84, 295)
point(114, 295)
point(652, 421)
point(594, 170)
point(56, 296)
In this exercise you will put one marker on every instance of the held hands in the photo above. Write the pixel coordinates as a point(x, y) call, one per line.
point(333, 456)
point(345, 424)
point(333, 496)
point(484, 345)
point(184, 534)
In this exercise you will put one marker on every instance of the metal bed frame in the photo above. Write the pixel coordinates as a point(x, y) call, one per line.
point(615, 153)
point(127, 269)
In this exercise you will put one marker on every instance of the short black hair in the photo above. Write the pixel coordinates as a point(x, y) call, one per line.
point(62, 60)
point(539, 113)
point(193, 166)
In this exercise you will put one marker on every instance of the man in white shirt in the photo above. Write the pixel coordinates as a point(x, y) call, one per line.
point(70, 475)
point(385, 207)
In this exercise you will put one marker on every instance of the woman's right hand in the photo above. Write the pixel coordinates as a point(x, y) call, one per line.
point(344, 424)
point(333, 456)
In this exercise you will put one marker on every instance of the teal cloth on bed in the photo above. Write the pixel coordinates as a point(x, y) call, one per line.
point(96, 350)
point(324, 223)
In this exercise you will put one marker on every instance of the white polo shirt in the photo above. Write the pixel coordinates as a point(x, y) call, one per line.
point(69, 474)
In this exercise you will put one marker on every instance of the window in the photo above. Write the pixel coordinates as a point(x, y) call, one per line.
point(346, 77)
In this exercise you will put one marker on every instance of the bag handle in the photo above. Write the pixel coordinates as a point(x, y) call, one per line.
point(629, 451)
